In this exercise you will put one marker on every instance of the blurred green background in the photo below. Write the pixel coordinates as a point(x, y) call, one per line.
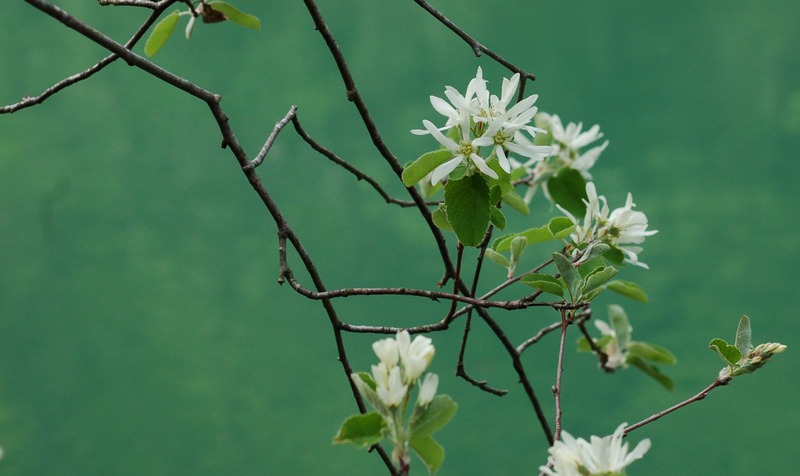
point(141, 327)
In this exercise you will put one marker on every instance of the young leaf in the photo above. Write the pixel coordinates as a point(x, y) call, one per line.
point(628, 289)
point(497, 218)
point(468, 208)
point(235, 15)
point(651, 371)
point(361, 430)
point(513, 200)
point(436, 415)
point(429, 451)
point(496, 257)
point(651, 352)
point(569, 274)
point(425, 165)
point(560, 227)
point(743, 336)
point(730, 354)
point(546, 283)
point(161, 33)
point(568, 189)
point(598, 277)
point(439, 217)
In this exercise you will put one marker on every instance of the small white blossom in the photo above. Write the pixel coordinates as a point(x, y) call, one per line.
point(599, 456)
point(614, 349)
point(621, 228)
point(428, 389)
point(389, 384)
point(415, 356)
point(386, 350)
point(484, 120)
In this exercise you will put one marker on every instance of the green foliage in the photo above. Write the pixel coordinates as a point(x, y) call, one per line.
point(235, 15)
point(556, 229)
point(569, 274)
point(362, 430)
point(468, 208)
point(568, 189)
point(161, 33)
point(744, 336)
point(429, 451)
point(424, 165)
point(628, 289)
point(546, 283)
point(729, 353)
point(436, 415)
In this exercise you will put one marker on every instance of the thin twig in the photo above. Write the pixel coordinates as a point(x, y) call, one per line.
point(477, 48)
point(347, 166)
point(559, 374)
point(719, 382)
point(29, 101)
point(290, 116)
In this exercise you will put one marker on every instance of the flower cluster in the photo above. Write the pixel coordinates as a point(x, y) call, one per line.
point(402, 362)
point(567, 144)
point(756, 358)
point(388, 389)
point(606, 456)
point(621, 228)
point(478, 121)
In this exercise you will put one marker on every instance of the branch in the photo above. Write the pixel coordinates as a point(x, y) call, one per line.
point(719, 382)
point(29, 101)
point(341, 162)
point(258, 159)
point(477, 48)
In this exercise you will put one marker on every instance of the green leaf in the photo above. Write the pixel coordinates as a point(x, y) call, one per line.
point(429, 451)
point(652, 352)
point(468, 208)
point(497, 218)
point(628, 289)
point(568, 189)
point(651, 371)
point(560, 227)
point(729, 353)
point(161, 33)
point(496, 257)
point(424, 165)
point(743, 336)
point(518, 245)
point(235, 15)
point(513, 200)
point(569, 274)
point(366, 386)
point(439, 217)
point(361, 430)
point(598, 277)
point(546, 283)
point(436, 415)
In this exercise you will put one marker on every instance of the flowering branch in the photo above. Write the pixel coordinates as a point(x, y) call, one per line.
point(488, 146)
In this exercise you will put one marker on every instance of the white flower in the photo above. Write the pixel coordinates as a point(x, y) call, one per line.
point(484, 120)
point(389, 384)
point(601, 456)
point(415, 356)
point(621, 228)
point(464, 151)
point(568, 142)
point(386, 350)
point(428, 389)
point(614, 349)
